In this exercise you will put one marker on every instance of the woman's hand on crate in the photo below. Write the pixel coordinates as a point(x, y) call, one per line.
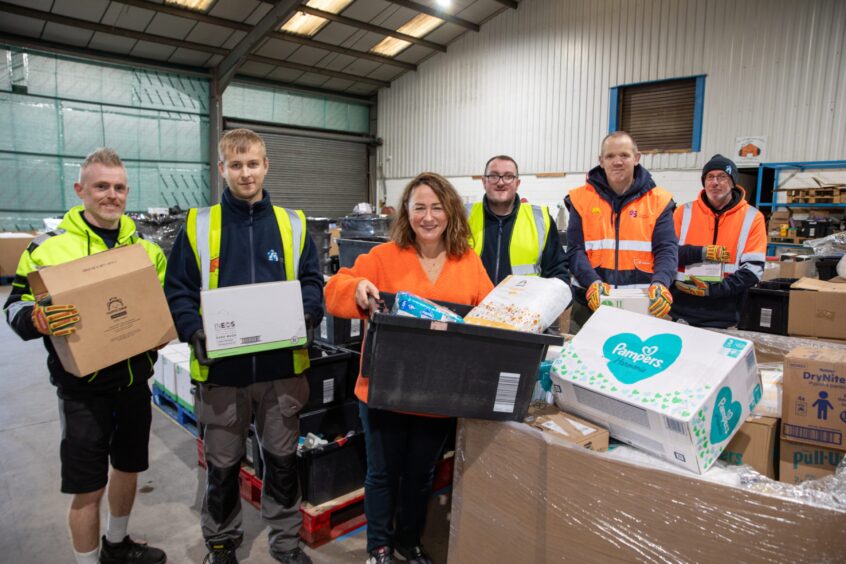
point(363, 292)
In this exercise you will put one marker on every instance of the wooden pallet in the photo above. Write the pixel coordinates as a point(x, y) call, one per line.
point(827, 195)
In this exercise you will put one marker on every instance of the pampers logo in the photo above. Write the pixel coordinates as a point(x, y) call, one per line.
point(631, 359)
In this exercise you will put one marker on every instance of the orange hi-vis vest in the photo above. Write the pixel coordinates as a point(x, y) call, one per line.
point(741, 230)
point(623, 242)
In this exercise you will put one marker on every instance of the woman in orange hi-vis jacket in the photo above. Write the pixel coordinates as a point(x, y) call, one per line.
point(429, 256)
point(718, 227)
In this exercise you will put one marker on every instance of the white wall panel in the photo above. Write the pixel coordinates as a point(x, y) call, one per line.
point(534, 83)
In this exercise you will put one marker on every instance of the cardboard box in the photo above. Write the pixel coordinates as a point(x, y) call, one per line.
point(817, 309)
point(799, 462)
point(634, 299)
point(777, 219)
point(771, 396)
point(814, 408)
point(796, 269)
point(12, 246)
point(754, 444)
point(673, 390)
point(569, 427)
point(253, 318)
point(122, 308)
point(334, 235)
point(521, 495)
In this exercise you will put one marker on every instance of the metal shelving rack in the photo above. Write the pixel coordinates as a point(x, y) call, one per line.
point(777, 169)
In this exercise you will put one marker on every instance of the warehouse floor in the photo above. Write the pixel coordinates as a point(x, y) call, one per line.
point(33, 521)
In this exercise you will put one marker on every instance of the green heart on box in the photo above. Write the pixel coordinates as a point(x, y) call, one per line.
point(631, 359)
point(725, 416)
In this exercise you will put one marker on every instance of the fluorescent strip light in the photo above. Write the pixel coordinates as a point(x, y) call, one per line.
point(307, 24)
point(196, 5)
point(418, 26)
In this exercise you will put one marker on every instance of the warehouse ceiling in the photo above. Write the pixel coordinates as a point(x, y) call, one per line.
point(333, 46)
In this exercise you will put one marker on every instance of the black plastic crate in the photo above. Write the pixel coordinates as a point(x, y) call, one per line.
point(814, 228)
point(349, 249)
point(338, 331)
point(331, 422)
point(327, 376)
point(765, 310)
point(354, 367)
point(451, 369)
point(827, 267)
point(332, 470)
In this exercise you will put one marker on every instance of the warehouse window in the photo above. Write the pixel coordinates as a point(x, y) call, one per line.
point(662, 116)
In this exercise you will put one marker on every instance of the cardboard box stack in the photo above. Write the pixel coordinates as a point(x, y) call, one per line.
point(813, 433)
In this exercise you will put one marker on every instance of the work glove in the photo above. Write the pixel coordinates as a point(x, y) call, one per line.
point(695, 287)
point(198, 343)
point(55, 320)
point(715, 253)
point(660, 300)
point(595, 292)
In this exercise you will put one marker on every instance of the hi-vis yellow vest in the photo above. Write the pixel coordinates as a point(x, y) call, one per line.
point(527, 238)
point(203, 227)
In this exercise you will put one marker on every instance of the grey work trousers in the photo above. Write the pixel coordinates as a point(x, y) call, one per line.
point(225, 414)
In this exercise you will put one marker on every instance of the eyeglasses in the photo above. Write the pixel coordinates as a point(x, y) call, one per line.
point(495, 178)
point(721, 177)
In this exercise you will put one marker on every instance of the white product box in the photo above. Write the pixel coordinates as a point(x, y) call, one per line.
point(707, 271)
point(630, 299)
point(676, 391)
point(184, 388)
point(253, 318)
point(165, 373)
point(771, 386)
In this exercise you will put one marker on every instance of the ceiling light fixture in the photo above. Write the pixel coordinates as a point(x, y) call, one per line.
point(418, 26)
point(196, 5)
point(307, 24)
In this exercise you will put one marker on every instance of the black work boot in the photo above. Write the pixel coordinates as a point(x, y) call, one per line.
point(128, 551)
point(221, 553)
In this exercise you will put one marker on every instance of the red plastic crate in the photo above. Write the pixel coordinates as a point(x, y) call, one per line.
point(201, 454)
point(250, 487)
point(443, 473)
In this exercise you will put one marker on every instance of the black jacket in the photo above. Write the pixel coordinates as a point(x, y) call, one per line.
point(497, 242)
point(248, 235)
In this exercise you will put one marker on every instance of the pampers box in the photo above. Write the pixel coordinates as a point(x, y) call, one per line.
point(673, 390)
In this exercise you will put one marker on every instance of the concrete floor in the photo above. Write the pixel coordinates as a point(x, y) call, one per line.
point(33, 517)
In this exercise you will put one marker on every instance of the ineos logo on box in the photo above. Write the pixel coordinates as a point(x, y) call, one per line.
point(115, 308)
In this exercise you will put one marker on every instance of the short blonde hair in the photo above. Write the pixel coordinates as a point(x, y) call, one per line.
point(239, 141)
point(616, 135)
point(104, 156)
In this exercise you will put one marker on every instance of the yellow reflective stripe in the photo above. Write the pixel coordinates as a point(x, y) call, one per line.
point(476, 221)
point(191, 233)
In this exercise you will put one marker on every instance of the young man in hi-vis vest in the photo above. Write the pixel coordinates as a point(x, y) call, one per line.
point(246, 240)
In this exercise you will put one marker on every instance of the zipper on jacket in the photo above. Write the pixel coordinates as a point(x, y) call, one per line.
point(498, 249)
point(252, 278)
point(716, 228)
point(616, 219)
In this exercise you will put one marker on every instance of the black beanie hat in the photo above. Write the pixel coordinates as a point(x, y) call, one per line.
point(719, 162)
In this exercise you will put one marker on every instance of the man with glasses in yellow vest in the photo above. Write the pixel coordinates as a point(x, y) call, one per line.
point(722, 238)
point(246, 240)
point(621, 232)
point(513, 237)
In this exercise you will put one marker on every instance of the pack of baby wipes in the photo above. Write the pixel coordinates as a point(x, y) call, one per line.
point(522, 303)
point(676, 391)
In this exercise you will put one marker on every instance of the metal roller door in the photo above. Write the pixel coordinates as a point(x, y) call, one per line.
point(322, 177)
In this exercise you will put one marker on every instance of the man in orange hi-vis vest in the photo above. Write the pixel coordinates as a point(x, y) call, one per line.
point(722, 248)
point(620, 232)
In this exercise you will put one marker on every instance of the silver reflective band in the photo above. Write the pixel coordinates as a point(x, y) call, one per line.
point(686, 215)
point(753, 257)
point(744, 231)
point(624, 245)
point(297, 230)
point(537, 211)
point(469, 208)
point(202, 236)
point(525, 269)
point(15, 308)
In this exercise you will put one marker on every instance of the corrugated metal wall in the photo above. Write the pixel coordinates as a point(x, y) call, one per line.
point(534, 83)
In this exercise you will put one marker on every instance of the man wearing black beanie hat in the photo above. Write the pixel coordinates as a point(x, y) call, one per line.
point(722, 248)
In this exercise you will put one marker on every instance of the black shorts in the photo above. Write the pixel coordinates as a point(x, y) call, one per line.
point(97, 428)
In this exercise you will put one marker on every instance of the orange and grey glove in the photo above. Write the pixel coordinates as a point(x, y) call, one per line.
point(715, 253)
point(55, 320)
point(660, 300)
point(695, 287)
point(595, 292)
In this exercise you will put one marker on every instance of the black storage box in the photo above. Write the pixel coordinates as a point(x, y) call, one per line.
point(327, 376)
point(814, 228)
point(349, 249)
point(451, 369)
point(332, 470)
point(765, 307)
point(338, 331)
point(331, 422)
point(354, 368)
point(827, 267)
